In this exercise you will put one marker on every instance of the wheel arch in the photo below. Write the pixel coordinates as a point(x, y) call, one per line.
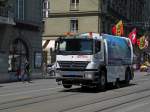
point(103, 68)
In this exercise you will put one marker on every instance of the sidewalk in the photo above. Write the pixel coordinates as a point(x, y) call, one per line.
point(11, 77)
point(137, 72)
point(38, 75)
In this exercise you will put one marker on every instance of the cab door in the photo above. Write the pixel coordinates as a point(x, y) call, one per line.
point(98, 51)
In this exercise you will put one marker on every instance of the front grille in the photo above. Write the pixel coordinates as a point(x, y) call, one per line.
point(73, 65)
point(75, 76)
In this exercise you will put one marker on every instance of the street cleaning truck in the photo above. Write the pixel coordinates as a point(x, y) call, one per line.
point(93, 60)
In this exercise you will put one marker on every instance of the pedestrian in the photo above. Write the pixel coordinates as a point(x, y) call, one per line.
point(27, 72)
point(148, 70)
point(18, 74)
point(44, 70)
point(22, 72)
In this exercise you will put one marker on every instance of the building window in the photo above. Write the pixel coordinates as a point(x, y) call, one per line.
point(46, 8)
point(74, 25)
point(20, 9)
point(74, 5)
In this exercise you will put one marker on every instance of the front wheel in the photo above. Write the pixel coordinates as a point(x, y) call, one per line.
point(102, 81)
point(66, 84)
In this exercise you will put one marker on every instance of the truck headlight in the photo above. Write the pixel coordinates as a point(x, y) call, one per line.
point(88, 76)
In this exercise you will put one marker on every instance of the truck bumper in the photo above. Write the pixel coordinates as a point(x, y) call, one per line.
point(77, 77)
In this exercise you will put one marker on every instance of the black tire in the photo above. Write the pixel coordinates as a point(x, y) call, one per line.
point(67, 85)
point(127, 77)
point(52, 73)
point(84, 87)
point(102, 81)
point(117, 84)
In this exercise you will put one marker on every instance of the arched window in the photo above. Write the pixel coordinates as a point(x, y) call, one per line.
point(18, 54)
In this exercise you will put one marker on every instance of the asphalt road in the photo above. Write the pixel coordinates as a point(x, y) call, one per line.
point(46, 96)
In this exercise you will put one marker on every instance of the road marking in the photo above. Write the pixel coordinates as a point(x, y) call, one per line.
point(131, 108)
point(22, 98)
point(19, 93)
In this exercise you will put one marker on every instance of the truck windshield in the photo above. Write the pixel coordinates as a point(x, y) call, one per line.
point(75, 46)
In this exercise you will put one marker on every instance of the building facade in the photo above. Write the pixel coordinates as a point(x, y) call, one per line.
point(20, 28)
point(145, 53)
point(79, 16)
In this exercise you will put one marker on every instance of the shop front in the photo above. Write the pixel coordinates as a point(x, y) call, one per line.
point(48, 51)
point(18, 54)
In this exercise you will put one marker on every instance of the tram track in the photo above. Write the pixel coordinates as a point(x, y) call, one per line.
point(54, 96)
point(107, 99)
point(126, 102)
point(29, 100)
point(33, 100)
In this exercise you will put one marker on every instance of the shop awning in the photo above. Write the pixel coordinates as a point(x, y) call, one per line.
point(47, 44)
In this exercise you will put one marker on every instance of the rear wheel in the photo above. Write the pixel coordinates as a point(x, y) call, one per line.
point(52, 73)
point(117, 83)
point(84, 87)
point(127, 76)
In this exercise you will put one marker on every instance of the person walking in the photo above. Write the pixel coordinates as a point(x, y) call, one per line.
point(26, 71)
point(18, 73)
point(22, 72)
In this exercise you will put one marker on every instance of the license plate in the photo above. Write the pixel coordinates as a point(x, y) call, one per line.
point(71, 73)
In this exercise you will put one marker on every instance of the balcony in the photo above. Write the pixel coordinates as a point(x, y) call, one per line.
point(6, 16)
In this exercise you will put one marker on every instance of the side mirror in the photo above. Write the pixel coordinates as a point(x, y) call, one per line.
point(56, 46)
